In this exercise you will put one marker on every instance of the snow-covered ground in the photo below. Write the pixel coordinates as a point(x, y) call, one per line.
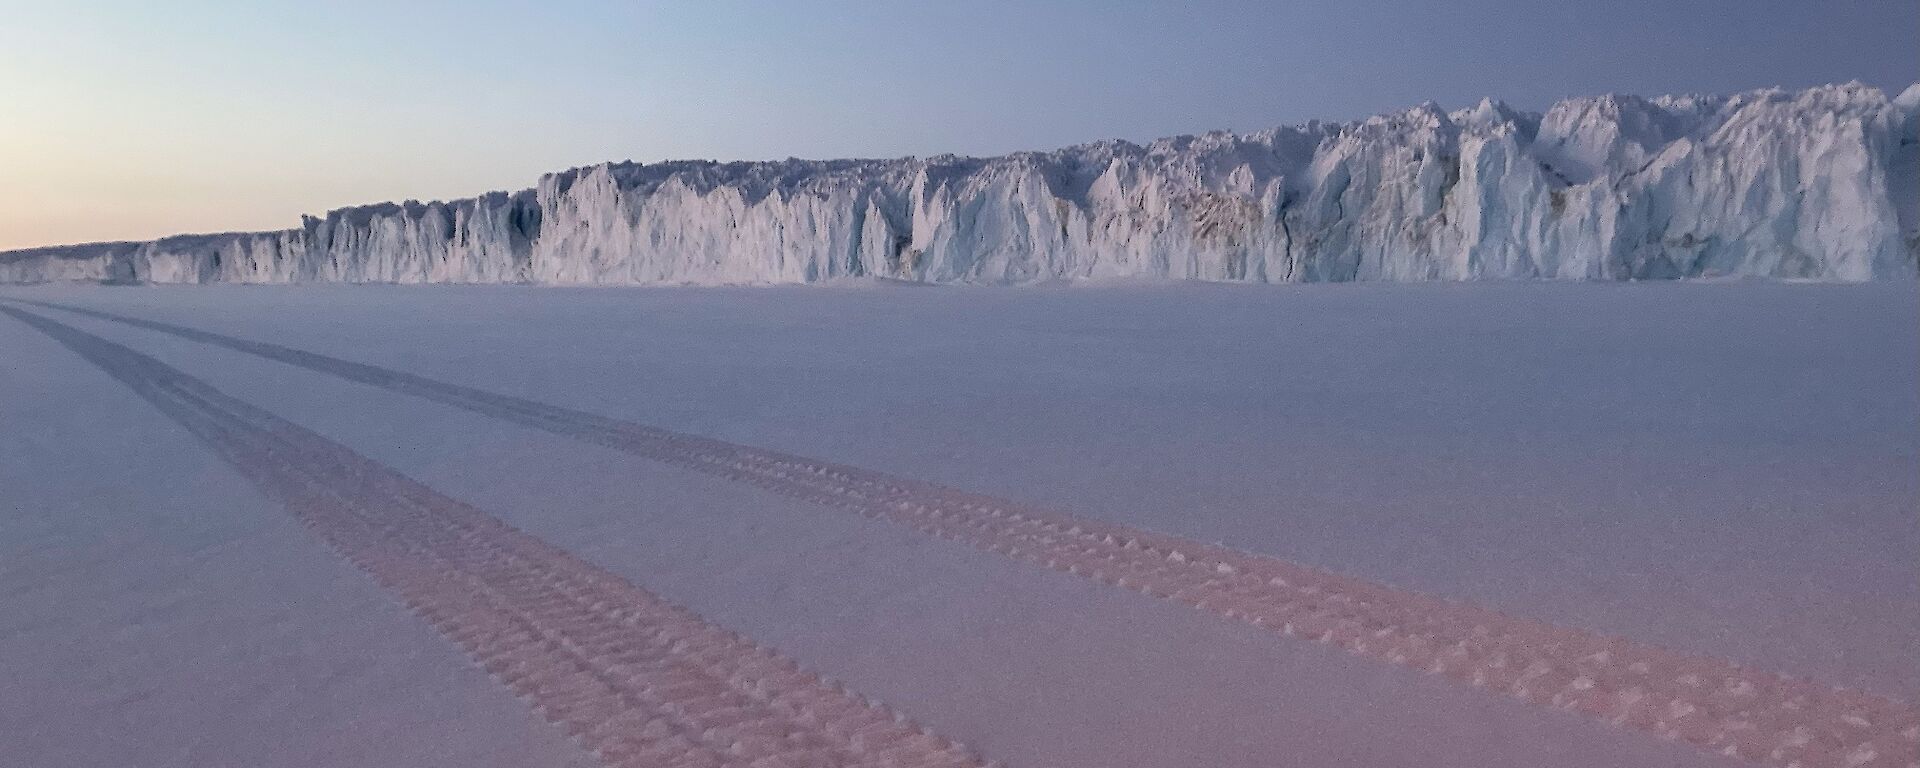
point(1726, 469)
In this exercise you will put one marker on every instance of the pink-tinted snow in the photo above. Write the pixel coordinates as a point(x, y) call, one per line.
point(1724, 469)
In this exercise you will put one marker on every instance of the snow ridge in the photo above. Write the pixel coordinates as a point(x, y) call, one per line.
point(1820, 184)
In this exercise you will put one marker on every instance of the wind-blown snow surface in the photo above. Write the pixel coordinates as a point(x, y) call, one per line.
point(1817, 184)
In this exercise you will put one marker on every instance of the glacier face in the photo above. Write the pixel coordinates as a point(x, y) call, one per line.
point(1817, 184)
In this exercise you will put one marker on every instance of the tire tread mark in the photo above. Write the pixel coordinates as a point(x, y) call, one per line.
point(1707, 702)
point(636, 680)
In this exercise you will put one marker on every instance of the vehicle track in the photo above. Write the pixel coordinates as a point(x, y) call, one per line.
point(635, 679)
point(1709, 703)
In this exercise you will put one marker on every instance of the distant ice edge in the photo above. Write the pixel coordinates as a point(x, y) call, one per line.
point(1820, 184)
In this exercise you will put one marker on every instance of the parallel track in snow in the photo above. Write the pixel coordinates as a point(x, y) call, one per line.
point(638, 681)
point(1709, 703)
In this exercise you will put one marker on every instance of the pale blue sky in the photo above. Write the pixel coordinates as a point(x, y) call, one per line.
point(136, 119)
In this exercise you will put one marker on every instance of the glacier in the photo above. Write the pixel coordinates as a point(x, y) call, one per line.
point(1816, 184)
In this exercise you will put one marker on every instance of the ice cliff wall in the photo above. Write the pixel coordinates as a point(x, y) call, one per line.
point(1818, 184)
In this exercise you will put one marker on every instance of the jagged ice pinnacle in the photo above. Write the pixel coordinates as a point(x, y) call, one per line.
point(1819, 184)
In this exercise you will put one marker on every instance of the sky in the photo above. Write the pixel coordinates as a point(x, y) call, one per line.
point(126, 119)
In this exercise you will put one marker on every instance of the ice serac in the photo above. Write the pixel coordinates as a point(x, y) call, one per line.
point(1819, 184)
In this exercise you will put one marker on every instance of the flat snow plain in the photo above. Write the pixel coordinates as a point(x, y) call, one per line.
point(1730, 469)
